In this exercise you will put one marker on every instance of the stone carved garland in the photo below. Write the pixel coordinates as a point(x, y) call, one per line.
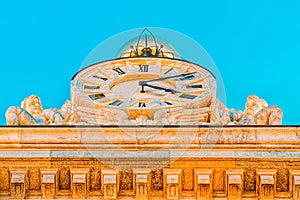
point(257, 112)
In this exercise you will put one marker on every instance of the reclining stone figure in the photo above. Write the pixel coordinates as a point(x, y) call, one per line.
point(32, 113)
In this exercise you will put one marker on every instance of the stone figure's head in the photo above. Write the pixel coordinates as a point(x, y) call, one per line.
point(254, 104)
point(32, 104)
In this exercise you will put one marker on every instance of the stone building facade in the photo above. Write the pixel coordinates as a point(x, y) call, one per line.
point(199, 162)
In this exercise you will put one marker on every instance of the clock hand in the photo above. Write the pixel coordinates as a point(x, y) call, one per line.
point(158, 88)
point(165, 78)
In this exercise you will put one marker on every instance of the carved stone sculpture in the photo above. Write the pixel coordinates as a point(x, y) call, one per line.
point(257, 112)
point(32, 113)
point(68, 113)
point(222, 115)
point(219, 113)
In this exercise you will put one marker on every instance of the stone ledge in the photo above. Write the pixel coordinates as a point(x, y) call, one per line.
point(143, 142)
point(142, 135)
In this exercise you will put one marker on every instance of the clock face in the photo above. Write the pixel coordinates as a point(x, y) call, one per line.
point(142, 86)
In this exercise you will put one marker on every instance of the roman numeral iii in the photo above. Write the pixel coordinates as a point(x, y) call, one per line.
point(188, 96)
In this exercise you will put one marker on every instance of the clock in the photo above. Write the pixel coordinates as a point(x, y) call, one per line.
point(149, 87)
point(148, 84)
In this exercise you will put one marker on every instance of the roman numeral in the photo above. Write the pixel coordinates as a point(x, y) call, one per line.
point(116, 103)
point(169, 70)
point(96, 96)
point(142, 104)
point(194, 86)
point(102, 78)
point(143, 68)
point(119, 70)
point(189, 77)
point(188, 96)
point(168, 103)
point(91, 87)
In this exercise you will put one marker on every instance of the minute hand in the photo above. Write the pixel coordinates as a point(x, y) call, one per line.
point(165, 78)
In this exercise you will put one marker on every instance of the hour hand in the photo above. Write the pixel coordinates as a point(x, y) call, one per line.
point(158, 88)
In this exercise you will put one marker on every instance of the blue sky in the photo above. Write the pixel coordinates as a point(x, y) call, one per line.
point(255, 44)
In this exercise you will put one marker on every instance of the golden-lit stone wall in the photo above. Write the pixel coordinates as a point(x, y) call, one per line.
point(172, 163)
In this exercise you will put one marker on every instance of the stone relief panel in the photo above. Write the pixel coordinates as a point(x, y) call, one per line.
point(219, 181)
point(126, 180)
point(157, 179)
point(4, 177)
point(188, 179)
point(95, 178)
point(34, 179)
point(64, 178)
point(282, 184)
point(250, 180)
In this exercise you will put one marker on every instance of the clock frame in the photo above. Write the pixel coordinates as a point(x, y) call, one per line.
point(102, 91)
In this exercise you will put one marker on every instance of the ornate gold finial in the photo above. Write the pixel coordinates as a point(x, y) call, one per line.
point(147, 46)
